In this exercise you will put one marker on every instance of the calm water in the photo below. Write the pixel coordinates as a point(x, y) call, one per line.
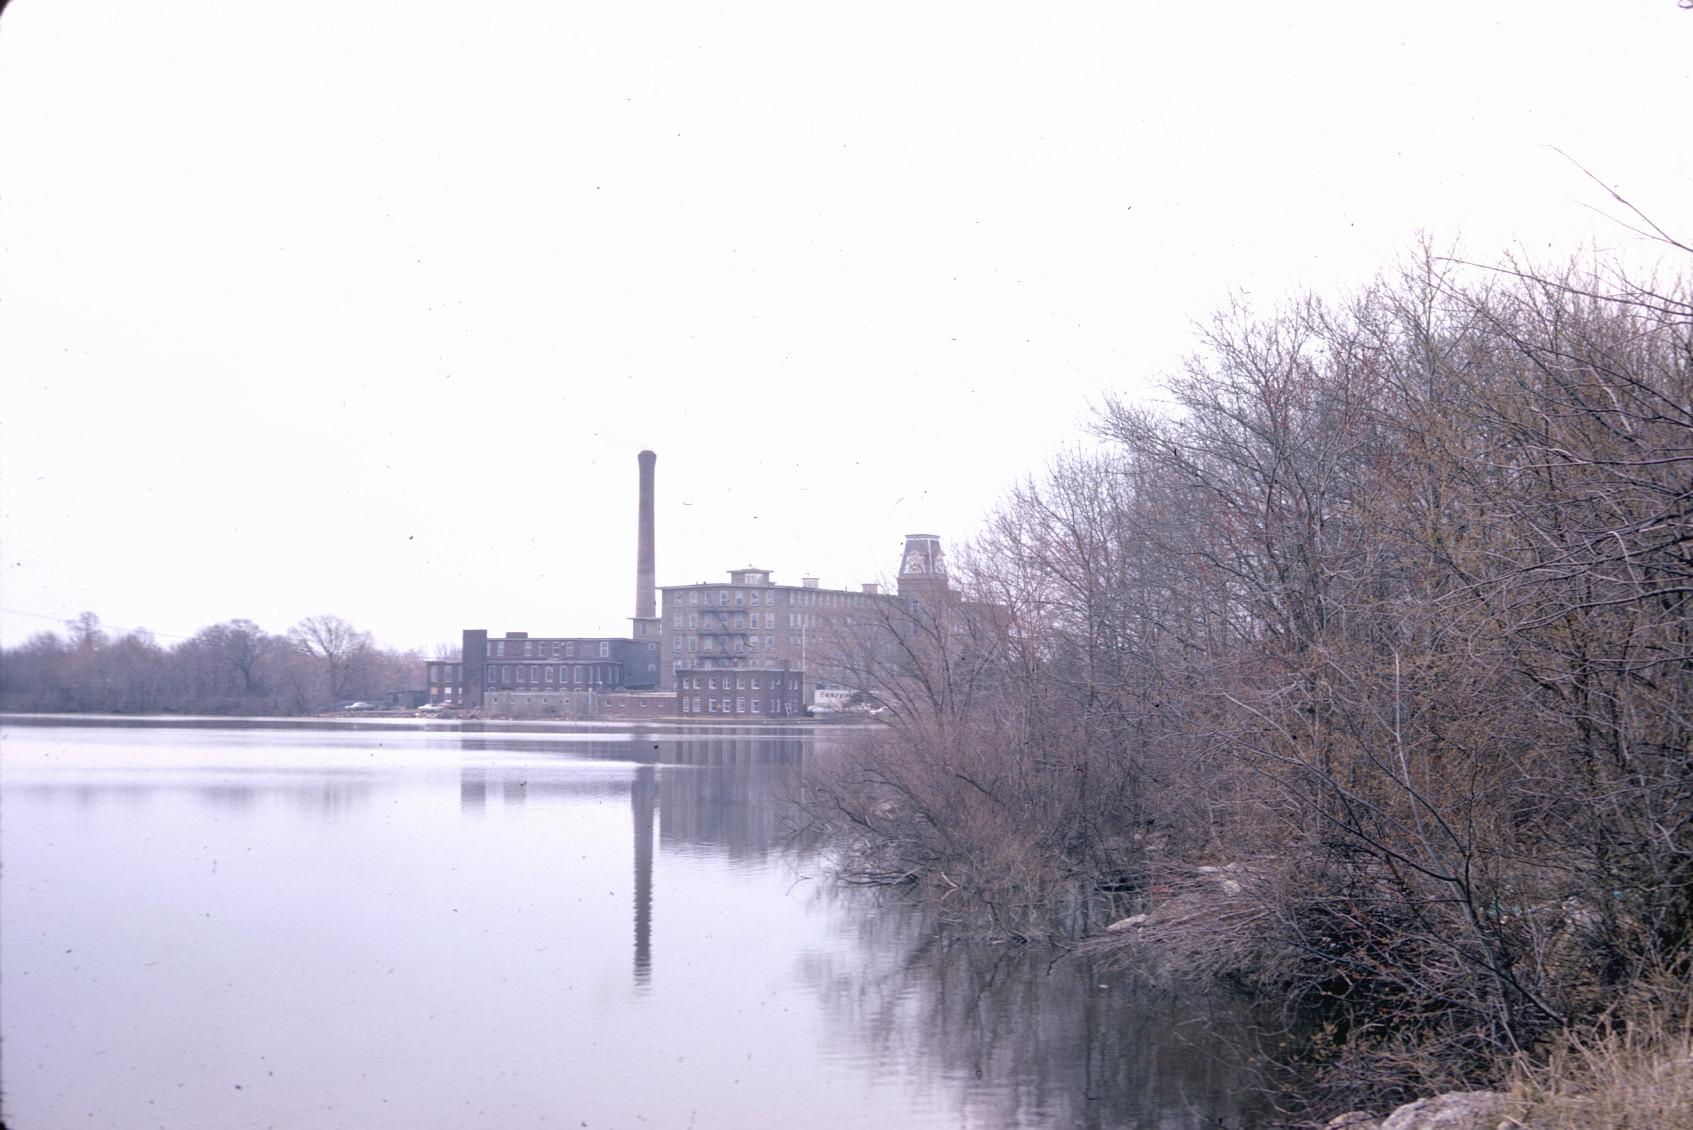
point(409, 927)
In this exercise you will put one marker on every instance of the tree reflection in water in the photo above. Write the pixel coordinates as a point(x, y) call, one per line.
point(1041, 1038)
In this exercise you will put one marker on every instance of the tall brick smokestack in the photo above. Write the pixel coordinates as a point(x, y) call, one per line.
point(644, 578)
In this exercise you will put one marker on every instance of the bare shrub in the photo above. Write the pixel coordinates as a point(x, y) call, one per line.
point(1363, 669)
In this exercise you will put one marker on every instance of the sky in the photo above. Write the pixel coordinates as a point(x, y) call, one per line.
point(367, 307)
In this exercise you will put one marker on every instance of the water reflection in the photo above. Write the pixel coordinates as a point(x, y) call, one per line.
point(464, 928)
point(1040, 1038)
point(713, 794)
point(643, 798)
point(473, 790)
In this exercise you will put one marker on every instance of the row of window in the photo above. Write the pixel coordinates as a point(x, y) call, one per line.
point(509, 674)
point(806, 597)
point(537, 649)
point(693, 705)
point(739, 620)
point(740, 682)
point(742, 621)
point(709, 643)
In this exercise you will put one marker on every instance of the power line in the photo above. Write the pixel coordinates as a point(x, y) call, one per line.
point(103, 625)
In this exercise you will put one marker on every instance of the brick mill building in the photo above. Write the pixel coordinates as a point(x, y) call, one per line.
point(746, 647)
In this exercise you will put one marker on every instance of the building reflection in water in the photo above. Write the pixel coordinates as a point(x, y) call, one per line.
point(473, 790)
point(328, 795)
point(694, 790)
point(728, 797)
point(514, 791)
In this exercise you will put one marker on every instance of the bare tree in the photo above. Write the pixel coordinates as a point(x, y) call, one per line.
point(1386, 620)
point(340, 650)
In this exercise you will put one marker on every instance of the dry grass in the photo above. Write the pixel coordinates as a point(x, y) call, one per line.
point(1625, 1075)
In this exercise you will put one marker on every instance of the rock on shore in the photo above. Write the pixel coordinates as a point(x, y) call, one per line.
point(1457, 1110)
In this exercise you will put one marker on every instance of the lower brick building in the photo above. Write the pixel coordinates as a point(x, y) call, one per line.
point(776, 691)
point(520, 663)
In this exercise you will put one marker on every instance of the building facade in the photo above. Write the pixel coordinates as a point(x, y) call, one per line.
point(775, 691)
point(750, 622)
point(744, 647)
point(443, 682)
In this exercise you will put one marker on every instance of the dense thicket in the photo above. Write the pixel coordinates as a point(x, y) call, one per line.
point(1362, 666)
point(229, 668)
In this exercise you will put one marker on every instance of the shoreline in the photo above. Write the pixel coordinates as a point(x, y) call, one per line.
point(406, 721)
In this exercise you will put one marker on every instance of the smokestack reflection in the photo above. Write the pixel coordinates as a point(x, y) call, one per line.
point(703, 789)
point(643, 800)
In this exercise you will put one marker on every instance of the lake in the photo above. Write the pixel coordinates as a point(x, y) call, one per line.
point(283, 924)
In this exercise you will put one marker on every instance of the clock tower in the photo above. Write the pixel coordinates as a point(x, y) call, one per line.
point(922, 569)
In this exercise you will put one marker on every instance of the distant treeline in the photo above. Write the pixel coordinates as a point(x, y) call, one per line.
point(230, 668)
point(1363, 668)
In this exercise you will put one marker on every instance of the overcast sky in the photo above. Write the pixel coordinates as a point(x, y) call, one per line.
point(366, 307)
